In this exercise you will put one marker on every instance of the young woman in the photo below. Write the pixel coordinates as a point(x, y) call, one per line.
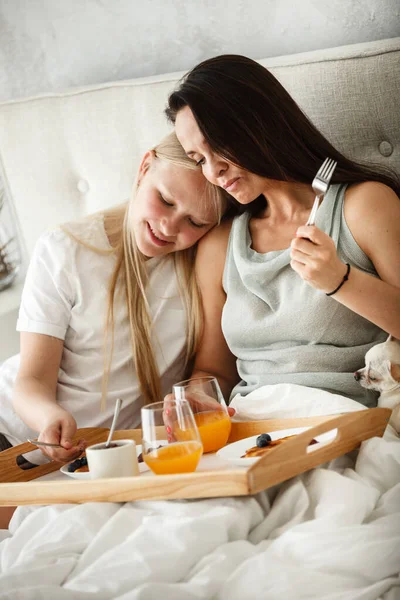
point(299, 304)
point(110, 306)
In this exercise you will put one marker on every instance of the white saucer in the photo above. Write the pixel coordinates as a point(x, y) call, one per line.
point(79, 475)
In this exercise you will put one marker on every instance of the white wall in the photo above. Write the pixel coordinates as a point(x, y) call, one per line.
point(47, 45)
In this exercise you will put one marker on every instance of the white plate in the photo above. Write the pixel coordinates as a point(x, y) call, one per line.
point(233, 452)
point(64, 469)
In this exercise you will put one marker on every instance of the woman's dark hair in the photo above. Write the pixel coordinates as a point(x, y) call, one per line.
point(248, 117)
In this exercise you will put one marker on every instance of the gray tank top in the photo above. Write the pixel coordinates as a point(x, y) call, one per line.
point(284, 331)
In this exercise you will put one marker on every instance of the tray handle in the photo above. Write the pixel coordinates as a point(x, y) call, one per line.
point(296, 455)
point(10, 471)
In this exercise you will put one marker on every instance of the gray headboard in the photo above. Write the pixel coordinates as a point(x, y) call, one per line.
point(65, 155)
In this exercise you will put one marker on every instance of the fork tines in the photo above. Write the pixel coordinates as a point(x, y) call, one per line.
point(320, 185)
point(325, 172)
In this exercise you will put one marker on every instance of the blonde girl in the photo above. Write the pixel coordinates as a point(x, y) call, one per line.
point(110, 306)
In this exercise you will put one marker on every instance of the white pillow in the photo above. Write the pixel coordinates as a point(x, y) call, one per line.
point(288, 400)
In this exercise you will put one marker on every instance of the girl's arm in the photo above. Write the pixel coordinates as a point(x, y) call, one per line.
point(372, 212)
point(34, 397)
point(213, 356)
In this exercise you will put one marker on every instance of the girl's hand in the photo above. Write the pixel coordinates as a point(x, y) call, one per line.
point(61, 430)
point(315, 259)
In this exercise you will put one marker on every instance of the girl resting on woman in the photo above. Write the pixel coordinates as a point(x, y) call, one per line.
point(110, 306)
point(273, 276)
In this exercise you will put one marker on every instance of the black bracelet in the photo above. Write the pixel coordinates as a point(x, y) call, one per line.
point(345, 278)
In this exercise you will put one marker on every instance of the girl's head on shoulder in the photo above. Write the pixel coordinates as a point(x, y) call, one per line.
point(238, 122)
point(171, 208)
point(173, 205)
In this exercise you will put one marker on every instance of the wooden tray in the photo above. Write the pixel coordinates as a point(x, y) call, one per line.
point(281, 463)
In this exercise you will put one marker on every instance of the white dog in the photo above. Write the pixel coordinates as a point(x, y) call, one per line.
point(382, 373)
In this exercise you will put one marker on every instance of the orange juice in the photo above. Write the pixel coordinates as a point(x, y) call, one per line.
point(214, 428)
point(182, 457)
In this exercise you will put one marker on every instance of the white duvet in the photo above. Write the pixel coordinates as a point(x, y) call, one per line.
point(330, 534)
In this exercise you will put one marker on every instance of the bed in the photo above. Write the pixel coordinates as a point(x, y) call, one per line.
point(330, 534)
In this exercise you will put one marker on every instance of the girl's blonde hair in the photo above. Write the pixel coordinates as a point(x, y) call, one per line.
point(130, 278)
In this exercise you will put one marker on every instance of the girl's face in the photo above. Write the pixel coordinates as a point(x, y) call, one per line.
point(171, 211)
point(239, 183)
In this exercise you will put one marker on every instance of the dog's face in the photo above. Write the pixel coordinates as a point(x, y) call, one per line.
point(382, 367)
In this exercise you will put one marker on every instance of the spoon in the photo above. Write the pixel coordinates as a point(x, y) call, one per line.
point(37, 443)
point(118, 405)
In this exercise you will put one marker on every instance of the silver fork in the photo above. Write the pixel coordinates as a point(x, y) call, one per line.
point(320, 186)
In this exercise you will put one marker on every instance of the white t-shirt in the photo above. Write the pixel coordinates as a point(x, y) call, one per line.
point(65, 296)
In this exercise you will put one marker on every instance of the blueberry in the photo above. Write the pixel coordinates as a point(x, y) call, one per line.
point(77, 464)
point(263, 440)
point(72, 467)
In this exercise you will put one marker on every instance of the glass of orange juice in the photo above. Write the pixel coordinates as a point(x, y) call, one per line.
point(162, 452)
point(209, 408)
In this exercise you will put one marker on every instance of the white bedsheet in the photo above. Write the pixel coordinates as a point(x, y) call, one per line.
point(330, 534)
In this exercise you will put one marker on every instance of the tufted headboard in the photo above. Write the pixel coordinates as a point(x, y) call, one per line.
point(69, 154)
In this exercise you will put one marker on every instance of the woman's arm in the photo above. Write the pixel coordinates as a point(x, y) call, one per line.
point(372, 212)
point(34, 397)
point(213, 356)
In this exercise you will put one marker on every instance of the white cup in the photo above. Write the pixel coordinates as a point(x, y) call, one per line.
point(118, 461)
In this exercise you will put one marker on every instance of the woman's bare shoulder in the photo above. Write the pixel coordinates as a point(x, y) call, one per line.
point(368, 196)
point(212, 250)
point(217, 239)
point(372, 211)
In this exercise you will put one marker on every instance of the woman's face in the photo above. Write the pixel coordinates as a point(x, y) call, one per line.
point(239, 183)
point(171, 211)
